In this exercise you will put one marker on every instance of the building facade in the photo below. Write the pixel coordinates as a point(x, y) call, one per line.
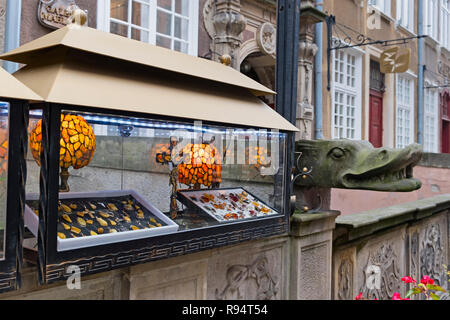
point(361, 103)
point(384, 108)
point(389, 110)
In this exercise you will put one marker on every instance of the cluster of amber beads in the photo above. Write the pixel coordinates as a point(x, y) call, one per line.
point(163, 154)
point(201, 165)
point(77, 142)
point(257, 156)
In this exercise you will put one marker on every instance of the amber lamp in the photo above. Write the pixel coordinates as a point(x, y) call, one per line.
point(77, 145)
point(258, 155)
point(200, 164)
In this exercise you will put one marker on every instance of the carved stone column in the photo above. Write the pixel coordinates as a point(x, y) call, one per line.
point(228, 24)
point(307, 51)
point(311, 255)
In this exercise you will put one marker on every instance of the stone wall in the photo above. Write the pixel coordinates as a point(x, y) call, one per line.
point(322, 257)
point(375, 249)
point(254, 270)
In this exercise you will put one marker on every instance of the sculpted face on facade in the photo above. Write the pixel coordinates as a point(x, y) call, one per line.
point(353, 164)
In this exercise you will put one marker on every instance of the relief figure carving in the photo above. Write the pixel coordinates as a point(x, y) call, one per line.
point(256, 274)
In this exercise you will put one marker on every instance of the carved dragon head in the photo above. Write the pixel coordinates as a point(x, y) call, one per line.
point(350, 164)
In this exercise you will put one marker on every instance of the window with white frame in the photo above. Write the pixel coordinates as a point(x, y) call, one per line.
point(431, 15)
point(382, 5)
point(405, 14)
point(404, 111)
point(445, 23)
point(172, 24)
point(346, 95)
point(430, 132)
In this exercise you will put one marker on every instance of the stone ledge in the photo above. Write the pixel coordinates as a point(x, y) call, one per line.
point(305, 224)
point(437, 160)
point(355, 226)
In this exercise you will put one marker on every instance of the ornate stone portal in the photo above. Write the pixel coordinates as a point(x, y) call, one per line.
point(225, 29)
point(307, 52)
point(225, 23)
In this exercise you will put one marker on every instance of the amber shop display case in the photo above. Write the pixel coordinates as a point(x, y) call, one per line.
point(14, 103)
point(139, 153)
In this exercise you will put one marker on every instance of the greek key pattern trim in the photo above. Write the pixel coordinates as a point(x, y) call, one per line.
point(8, 281)
point(105, 263)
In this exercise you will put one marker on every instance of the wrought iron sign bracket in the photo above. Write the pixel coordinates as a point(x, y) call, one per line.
point(359, 40)
point(304, 173)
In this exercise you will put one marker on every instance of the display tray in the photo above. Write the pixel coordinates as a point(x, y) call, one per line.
point(227, 204)
point(96, 218)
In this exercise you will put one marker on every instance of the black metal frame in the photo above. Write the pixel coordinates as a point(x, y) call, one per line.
point(11, 265)
point(52, 265)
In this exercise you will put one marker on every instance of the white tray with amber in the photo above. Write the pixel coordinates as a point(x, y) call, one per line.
point(227, 204)
point(96, 218)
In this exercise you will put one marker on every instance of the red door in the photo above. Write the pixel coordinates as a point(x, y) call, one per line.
point(445, 136)
point(376, 119)
point(445, 112)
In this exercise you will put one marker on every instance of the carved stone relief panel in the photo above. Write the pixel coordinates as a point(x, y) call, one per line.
point(381, 265)
point(314, 280)
point(433, 250)
point(382, 276)
point(175, 278)
point(266, 38)
point(344, 273)
point(249, 272)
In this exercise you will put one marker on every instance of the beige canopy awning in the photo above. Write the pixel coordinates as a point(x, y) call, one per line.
point(83, 66)
point(11, 88)
point(114, 46)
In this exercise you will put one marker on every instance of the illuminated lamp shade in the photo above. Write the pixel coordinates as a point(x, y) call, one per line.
point(258, 157)
point(201, 165)
point(77, 145)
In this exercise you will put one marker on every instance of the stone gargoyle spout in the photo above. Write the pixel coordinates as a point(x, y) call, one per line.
point(350, 164)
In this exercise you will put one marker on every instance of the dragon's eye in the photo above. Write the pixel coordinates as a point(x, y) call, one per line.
point(337, 153)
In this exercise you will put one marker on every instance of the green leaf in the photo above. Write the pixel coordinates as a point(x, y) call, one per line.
point(434, 296)
point(435, 287)
point(422, 285)
point(415, 290)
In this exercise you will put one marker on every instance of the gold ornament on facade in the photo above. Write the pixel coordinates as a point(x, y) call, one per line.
point(225, 59)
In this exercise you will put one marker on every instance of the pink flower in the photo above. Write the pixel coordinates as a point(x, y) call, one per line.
point(408, 280)
point(359, 296)
point(426, 280)
point(396, 296)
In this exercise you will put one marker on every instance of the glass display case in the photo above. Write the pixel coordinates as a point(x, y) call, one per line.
point(127, 178)
point(145, 156)
point(14, 101)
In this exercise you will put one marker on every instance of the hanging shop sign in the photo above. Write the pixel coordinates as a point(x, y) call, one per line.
point(56, 14)
point(395, 60)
